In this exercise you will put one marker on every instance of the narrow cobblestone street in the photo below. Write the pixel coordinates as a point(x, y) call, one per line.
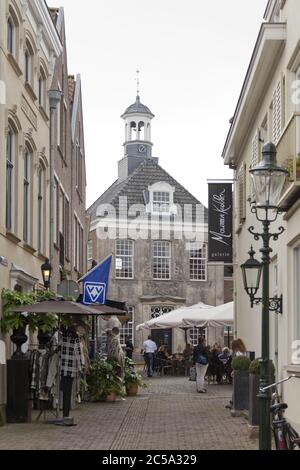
point(168, 415)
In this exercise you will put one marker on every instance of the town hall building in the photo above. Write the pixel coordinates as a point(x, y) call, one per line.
point(158, 233)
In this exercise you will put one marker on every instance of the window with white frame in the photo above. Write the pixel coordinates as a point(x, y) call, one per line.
point(296, 309)
point(28, 63)
point(10, 175)
point(277, 113)
point(90, 253)
point(127, 330)
point(198, 262)
point(11, 36)
point(41, 208)
point(78, 245)
point(161, 201)
point(161, 260)
point(42, 88)
point(27, 194)
point(194, 334)
point(124, 259)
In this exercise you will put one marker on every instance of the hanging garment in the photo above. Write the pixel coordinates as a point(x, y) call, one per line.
point(70, 356)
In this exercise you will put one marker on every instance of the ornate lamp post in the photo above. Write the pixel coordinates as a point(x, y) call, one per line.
point(46, 269)
point(268, 181)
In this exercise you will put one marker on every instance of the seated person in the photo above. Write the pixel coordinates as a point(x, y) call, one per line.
point(226, 358)
point(163, 353)
point(188, 352)
point(215, 366)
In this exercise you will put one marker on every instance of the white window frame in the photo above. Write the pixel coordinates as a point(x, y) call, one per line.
point(124, 251)
point(10, 177)
point(198, 261)
point(194, 334)
point(28, 159)
point(128, 328)
point(41, 207)
point(163, 188)
point(296, 306)
point(160, 260)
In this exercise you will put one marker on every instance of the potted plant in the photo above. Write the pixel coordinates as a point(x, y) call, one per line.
point(103, 382)
point(254, 371)
point(132, 379)
point(240, 366)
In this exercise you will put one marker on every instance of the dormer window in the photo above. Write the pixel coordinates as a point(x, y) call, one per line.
point(161, 199)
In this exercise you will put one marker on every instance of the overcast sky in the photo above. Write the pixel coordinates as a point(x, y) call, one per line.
point(193, 56)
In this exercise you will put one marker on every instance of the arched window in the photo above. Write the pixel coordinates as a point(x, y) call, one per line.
point(141, 133)
point(41, 204)
point(133, 131)
point(28, 63)
point(42, 88)
point(10, 165)
point(11, 36)
point(27, 194)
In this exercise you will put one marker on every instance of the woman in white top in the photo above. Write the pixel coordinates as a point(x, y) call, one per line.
point(238, 348)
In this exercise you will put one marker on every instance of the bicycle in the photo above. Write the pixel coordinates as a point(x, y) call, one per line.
point(286, 437)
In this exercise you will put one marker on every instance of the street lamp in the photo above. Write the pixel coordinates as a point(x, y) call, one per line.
point(46, 269)
point(251, 270)
point(268, 181)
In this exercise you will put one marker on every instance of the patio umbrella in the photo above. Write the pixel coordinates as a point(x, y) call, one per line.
point(69, 308)
point(220, 316)
point(174, 319)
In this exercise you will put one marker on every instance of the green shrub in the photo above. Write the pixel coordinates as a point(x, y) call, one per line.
point(255, 367)
point(132, 377)
point(102, 379)
point(240, 363)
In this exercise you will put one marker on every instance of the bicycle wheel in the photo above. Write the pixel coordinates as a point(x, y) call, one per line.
point(279, 432)
point(293, 437)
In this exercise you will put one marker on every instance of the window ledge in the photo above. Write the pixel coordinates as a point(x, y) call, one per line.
point(12, 237)
point(42, 257)
point(30, 91)
point(293, 368)
point(29, 248)
point(13, 62)
point(43, 113)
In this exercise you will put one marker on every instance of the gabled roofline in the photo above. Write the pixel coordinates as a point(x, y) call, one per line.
point(75, 107)
point(255, 54)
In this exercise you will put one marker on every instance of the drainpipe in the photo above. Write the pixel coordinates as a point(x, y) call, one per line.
point(54, 99)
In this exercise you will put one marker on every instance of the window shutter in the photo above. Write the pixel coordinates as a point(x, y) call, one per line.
point(255, 150)
point(242, 193)
point(277, 114)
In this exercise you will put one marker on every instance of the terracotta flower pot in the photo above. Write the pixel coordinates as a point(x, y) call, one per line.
point(132, 390)
point(111, 397)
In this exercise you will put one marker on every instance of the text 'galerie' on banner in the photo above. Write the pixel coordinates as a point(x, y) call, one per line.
point(220, 222)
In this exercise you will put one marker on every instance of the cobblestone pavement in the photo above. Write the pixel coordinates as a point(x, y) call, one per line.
point(168, 415)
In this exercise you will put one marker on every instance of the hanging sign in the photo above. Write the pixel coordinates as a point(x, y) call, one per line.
point(220, 222)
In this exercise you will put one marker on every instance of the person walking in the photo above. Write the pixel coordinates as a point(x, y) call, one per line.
point(129, 348)
point(149, 348)
point(200, 358)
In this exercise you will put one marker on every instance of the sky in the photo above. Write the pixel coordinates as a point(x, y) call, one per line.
point(192, 55)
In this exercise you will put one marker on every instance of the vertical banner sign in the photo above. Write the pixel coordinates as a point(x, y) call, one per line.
point(220, 222)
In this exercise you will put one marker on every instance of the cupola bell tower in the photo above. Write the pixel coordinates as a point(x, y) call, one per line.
point(138, 130)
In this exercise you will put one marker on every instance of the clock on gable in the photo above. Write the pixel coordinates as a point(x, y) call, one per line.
point(142, 149)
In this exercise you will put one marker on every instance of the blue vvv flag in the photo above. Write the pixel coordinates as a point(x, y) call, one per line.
point(95, 283)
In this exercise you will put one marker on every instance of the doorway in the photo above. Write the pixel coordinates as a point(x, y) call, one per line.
point(163, 337)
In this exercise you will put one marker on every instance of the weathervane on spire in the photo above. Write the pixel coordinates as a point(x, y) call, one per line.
point(138, 82)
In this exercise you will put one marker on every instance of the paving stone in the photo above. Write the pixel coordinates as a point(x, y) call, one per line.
point(168, 415)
